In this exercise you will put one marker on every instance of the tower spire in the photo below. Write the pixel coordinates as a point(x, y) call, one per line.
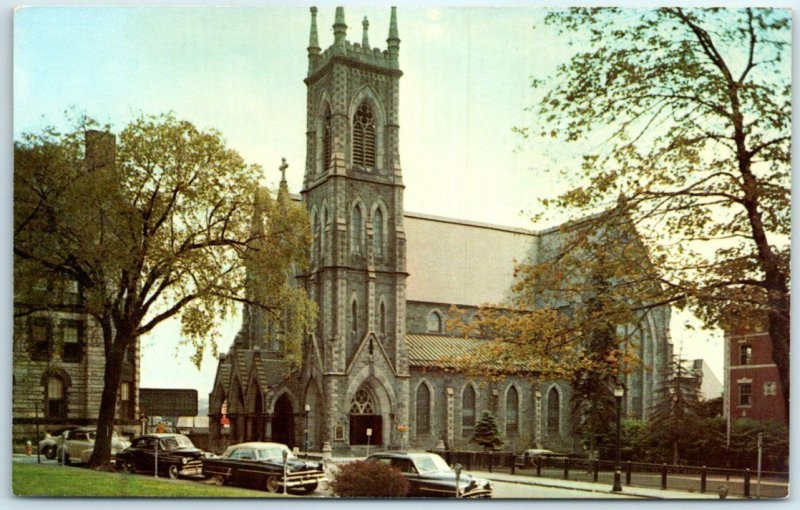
point(365, 37)
point(313, 38)
point(339, 29)
point(394, 38)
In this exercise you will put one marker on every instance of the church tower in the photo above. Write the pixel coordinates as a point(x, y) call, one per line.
point(356, 365)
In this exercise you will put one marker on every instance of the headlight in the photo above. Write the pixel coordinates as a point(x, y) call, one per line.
point(184, 460)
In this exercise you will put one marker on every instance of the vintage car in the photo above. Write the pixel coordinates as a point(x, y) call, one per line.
point(49, 445)
point(260, 465)
point(173, 455)
point(429, 476)
point(530, 457)
point(73, 443)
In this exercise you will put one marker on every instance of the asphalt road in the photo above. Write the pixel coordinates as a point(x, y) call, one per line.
point(516, 490)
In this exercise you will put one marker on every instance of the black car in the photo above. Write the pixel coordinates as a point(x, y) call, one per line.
point(429, 476)
point(260, 465)
point(172, 455)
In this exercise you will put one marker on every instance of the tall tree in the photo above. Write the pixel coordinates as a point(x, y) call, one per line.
point(155, 227)
point(687, 113)
point(487, 434)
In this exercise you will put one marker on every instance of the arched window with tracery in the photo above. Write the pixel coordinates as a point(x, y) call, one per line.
point(382, 324)
point(364, 137)
point(434, 322)
point(326, 139)
point(423, 406)
point(354, 319)
point(355, 230)
point(553, 411)
point(377, 232)
point(56, 397)
point(363, 403)
point(512, 411)
point(468, 407)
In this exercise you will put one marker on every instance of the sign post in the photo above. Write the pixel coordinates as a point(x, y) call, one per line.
point(758, 476)
point(369, 435)
point(285, 456)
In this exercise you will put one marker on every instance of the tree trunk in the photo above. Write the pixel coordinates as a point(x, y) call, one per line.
point(101, 457)
point(779, 335)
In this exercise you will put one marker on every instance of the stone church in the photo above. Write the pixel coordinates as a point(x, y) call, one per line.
point(374, 371)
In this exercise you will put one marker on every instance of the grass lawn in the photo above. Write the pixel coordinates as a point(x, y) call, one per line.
point(53, 480)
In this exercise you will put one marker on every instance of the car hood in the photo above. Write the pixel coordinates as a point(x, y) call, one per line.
point(295, 464)
point(450, 476)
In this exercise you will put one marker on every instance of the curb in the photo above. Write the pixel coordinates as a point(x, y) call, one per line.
point(582, 489)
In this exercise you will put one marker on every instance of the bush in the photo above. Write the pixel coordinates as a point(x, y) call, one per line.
point(361, 479)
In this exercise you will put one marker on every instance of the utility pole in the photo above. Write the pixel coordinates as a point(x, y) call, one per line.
point(758, 476)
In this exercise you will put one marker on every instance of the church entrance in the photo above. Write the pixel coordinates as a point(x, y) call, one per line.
point(364, 415)
point(283, 422)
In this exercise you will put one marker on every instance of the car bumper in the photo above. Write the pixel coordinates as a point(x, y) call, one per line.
point(303, 479)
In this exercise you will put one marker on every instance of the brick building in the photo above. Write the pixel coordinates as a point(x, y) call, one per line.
point(384, 280)
point(752, 384)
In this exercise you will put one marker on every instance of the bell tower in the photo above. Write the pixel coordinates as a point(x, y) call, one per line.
point(353, 190)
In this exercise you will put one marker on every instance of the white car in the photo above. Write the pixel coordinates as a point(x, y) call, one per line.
point(78, 444)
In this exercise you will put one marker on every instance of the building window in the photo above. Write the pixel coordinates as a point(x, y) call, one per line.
point(434, 322)
point(745, 394)
point(423, 409)
point(315, 234)
point(364, 137)
point(125, 402)
point(512, 411)
point(382, 324)
point(553, 412)
point(355, 230)
point(72, 341)
point(326, 139)
point(468, 408)
point(770, 388)
point(377, 232)
point(745, 354)
point(363, 403)
point(56, 398)
point(39, 336)
point(72, 295)
point(354, 319)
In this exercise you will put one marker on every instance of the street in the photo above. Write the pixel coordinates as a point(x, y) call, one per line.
point(517, 490)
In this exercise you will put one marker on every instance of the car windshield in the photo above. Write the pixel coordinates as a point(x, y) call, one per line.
point(430, 464)
point(273, 453)
point(171, 443)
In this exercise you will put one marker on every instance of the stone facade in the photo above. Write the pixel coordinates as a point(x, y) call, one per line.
point(385, 281)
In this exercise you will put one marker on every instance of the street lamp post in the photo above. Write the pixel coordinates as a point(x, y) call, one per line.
point(619, 391)
point(308, 409)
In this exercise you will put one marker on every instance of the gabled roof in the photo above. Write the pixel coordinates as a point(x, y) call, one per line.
point(440, 351)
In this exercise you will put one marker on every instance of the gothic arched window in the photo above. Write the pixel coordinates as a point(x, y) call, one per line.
point(377, 232)
point(364, 137)
point(355, 230)
point(434, 322)
point(468, 407)
point(325, 228)
point(315, 253)
point(382, 324)
point(354, 319)
point(56, 397)
point(512, 411)
point(553, 411)
point(326, 139)
point(363, 403)
point(423, 405)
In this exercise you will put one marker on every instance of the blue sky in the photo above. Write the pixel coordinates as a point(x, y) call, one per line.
point(240, 71)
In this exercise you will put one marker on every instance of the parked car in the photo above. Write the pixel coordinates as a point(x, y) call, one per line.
point(171, 455)
point(49, 445)
point(75, 442)
point(429, 476)
point(261, 465)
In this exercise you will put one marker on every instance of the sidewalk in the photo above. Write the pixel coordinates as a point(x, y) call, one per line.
point(642, 492)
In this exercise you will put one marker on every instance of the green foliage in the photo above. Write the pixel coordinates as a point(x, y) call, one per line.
point(687, 115)
point(160, 225)
point(486, 432)
point(362, 479)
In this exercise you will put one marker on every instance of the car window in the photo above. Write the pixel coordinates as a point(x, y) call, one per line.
point(381, 460)
point(178, 441)
point(273, 454)
point(426, 465)
point(78, 436)
point(404, 465)
point(243, 454)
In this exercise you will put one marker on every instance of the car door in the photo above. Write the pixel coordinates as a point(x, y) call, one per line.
point(145, 454)
point(406, 466)
point(243, 465)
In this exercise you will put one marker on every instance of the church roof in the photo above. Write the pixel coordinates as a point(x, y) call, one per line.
point(460, 262)
point(438, 351)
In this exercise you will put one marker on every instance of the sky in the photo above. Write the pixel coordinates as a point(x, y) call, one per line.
point(240, 70)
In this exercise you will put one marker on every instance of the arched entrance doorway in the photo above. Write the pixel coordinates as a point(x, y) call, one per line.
point(365, 417)
point(283, 422)
point(255, 418)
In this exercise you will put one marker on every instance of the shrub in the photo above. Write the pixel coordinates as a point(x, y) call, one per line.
point(361, 479)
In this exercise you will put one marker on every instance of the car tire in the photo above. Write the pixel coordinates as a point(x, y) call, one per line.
point(49, 452)
point(308, 489)
point(218, 480)
point(174, 471)
point(128, 467)
point(273, 484)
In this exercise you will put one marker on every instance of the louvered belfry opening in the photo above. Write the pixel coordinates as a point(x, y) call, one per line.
point(326, 139)
point(364, 137)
